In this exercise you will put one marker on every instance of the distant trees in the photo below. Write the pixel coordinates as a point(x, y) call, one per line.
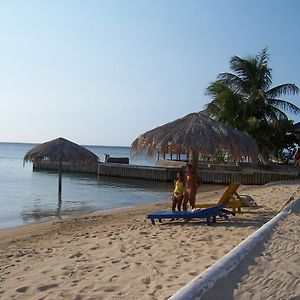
point(246, 100)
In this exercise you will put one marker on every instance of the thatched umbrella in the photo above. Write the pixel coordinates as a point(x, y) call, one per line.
point(196, 133)
point(295, 129)
point(60, 150)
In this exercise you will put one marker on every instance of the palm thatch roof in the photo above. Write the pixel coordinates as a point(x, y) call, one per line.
point(60, 150)
point(196, 132)
point(294, 128)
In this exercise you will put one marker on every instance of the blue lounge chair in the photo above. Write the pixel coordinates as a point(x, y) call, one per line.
point(209, 214)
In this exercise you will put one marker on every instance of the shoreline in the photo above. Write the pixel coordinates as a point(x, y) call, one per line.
point(203, 188)
point(120, 255)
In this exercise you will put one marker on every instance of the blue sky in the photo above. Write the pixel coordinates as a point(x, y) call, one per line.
point(103, 72)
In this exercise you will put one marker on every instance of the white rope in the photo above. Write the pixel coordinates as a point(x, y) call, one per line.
point(292, 198)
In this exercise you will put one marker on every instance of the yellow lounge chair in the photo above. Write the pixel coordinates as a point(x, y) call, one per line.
point(230, 199)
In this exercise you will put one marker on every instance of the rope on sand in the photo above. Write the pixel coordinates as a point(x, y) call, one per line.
point(292, 198)
point(196, 288)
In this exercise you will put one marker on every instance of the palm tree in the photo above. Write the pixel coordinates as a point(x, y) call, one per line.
point(245, 99)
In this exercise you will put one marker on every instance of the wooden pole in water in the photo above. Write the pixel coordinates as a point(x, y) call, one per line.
point(59, 179)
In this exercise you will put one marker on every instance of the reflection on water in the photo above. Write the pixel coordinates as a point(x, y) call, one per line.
point(85, 193)
point(58, 211)
point(39, 212)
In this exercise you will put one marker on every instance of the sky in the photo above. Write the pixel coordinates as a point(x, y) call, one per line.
point(103, 72)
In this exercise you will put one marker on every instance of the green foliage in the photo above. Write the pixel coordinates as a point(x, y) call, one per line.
point(220, 156)
point(245, 100)
point(284, 145)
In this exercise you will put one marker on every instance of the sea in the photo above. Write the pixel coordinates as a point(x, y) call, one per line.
point(28, 196)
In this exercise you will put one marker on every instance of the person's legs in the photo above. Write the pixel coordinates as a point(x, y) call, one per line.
point(192, 198)
point(179, 202)
point(174, 202)
point(185, 200)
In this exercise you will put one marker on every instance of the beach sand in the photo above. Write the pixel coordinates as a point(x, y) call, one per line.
point(120, 255)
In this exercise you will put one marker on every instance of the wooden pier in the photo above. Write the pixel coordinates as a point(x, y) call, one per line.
point(115, 170)
point(222, 174)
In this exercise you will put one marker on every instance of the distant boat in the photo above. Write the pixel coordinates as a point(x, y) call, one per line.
point(116, 160)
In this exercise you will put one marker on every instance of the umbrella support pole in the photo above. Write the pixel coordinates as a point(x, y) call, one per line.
point(195, 160)
point(59, 179)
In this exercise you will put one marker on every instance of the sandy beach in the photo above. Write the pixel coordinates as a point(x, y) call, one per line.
point(120, 255)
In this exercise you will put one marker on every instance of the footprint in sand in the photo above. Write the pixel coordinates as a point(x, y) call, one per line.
point(171, 278)
point(146, 233)
point(159, 261)
point(110, 289)
point(114, 277)
point(94, 248)
point(46, 287)
point(213, 257)
point(68, 268)
point(146, 247)
point(76, 254)
point(146, 280)
point(22, 289)
point(125, 267)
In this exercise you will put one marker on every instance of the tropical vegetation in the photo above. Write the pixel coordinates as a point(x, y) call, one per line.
point(246, 100)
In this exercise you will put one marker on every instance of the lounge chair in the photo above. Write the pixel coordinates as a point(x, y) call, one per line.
point(230, 199)
point(209, 214)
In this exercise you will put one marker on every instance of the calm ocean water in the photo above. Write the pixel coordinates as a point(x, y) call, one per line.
point(27, 197)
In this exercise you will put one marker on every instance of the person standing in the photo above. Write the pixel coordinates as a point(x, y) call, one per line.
point(177, 195)
point(297, 158)
point(191, 184)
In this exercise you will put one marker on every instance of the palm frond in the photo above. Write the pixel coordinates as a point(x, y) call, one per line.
point(280, 114)
point(285, 105)
point(232, 81)
point(283, 89)
point(241, 67)
point(263, 57)
point(274, 114)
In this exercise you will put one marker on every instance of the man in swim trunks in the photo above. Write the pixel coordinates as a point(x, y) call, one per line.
point(191, 185)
